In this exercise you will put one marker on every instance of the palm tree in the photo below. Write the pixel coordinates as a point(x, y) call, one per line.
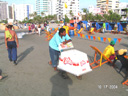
point(85, 10)
point(71, 13)
point(42, 13)
point(35, 14)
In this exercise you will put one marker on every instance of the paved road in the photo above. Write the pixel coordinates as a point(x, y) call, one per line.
point(34, 77)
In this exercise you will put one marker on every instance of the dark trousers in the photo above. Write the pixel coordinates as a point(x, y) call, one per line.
point(12, 50)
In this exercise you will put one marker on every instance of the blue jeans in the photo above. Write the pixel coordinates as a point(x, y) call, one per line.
point(12, 50)
point(54, 55)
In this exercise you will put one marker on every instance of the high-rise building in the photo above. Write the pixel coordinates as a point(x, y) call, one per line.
point(42, 6)
point(21, 11)
point(3, 10)
point(72, 7)
point(106, 5)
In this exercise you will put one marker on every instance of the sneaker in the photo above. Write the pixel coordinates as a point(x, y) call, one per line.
point(15, 62)
point(10, 60)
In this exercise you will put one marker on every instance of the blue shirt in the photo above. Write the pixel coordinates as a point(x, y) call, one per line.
point(57, 40)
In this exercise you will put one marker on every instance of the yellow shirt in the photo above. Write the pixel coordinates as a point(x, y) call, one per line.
point(66, 28)
point(108, 51)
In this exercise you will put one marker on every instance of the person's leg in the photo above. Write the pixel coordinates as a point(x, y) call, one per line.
point(14, 52)
point(9, 51)
point(54, 55)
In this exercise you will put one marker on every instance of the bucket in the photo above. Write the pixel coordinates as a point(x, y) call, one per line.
point(71, 33)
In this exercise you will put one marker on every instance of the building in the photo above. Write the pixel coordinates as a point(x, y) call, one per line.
point(21, 11)
point(122, 11)
point(72, 7)
point(106, 5)
point(42, 6)
point(10, 12)
point(94, 10)
point(3, 10)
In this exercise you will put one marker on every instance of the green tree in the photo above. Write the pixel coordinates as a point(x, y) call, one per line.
point(66, 19)
point(71, 13)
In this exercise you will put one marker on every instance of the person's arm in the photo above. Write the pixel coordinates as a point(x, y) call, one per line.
point(66, 41)
point(17, 42)
point(5, 41)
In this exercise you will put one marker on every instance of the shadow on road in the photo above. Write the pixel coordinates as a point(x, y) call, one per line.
point(24, 54)
point(60, 85)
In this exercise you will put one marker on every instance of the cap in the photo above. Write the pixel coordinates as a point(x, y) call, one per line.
point(122, 51)
point(112, 43)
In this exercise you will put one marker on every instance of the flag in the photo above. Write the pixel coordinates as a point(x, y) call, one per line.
point(65, 5)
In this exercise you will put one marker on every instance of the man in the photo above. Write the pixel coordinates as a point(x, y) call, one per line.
point(104, 27)
point(11, 45)
point(109, 51)
point(60, 38)
point(33, 28)
point(66, 28)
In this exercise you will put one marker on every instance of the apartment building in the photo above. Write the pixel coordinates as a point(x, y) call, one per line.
point(122, 11)
point(72, 5)
point(106, 5)
point(3, 10)
point(42, 6)
point(21, 11)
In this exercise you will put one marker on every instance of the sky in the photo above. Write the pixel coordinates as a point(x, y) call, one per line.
point(83, 3)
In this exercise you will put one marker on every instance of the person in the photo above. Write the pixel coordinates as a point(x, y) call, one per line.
point(29, 28)
point(2, 76)
point(116, 27)
point(88, 26)
point(109, 52)
point(11, 42)
point(59, 38)
point(45, 24)
point(104, 27)
point(81, 24)
point(39, 29)
point(127, 29)
point(33, 28)
point(66, 28)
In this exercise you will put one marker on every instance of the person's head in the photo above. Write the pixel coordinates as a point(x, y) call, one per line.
point(112, 43)
point(62, 32)
point(65, 24)
point(9, 27)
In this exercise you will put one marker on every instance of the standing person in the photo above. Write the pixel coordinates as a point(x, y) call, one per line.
point(66, 28)
point(39, 29)
point(29, 28)
point(127, 29)
point(33, 28)
point(104, 27)
point(88, 26)
point(45, 24)
point(59, 38)
point(11, 42)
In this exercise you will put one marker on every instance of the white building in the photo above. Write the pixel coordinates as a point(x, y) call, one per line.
point(94, 10)
point(42, 6)
point(107, 5)
point(21, 11)
point(123, 7)
point(72, 5)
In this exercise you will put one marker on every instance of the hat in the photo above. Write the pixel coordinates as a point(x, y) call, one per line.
point(112, 43)
point(122, 51)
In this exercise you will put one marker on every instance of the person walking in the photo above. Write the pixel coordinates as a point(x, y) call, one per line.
point(11, 42)
point(39, 29)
